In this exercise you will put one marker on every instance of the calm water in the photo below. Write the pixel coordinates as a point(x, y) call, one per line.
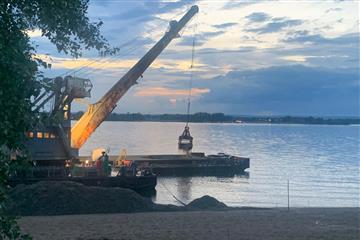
point(321, 162)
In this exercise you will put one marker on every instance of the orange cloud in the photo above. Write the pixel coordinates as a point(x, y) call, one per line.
point(167, 92)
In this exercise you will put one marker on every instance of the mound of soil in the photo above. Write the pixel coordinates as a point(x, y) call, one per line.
point(206, 203)
point(65, 198)
point(61, 198)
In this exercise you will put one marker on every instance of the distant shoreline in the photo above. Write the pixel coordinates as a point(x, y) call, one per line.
point(222, 118)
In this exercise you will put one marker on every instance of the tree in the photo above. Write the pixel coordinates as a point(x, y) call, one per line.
point(66, 25)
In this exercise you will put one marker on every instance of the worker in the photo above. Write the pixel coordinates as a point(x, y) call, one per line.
point(122, 169)
point(133, 168)
point(150, 167)
point(99, 167)
point(105, 160)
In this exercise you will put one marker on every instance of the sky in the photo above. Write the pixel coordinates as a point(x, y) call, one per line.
point(250, 57)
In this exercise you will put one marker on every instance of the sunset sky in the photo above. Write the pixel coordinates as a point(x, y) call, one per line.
point(251, 57)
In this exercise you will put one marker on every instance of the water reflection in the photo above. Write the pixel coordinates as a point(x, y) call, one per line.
point(179, 189)
point(184, 188)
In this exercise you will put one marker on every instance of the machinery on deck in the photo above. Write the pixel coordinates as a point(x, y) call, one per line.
point(49, 142)
point(54, 142)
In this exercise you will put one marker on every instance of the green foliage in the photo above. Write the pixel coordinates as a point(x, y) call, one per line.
point(10, 229)
point(66, 25)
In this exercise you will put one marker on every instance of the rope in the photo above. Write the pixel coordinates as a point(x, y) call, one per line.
point(77, 70)
point(104, 63)
point(177, 199)
point(103, 60)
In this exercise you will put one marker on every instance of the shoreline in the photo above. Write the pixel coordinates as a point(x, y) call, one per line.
point(274, 223)
point(235, 123)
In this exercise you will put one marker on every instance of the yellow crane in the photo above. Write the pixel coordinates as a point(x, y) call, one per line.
point(97, 113)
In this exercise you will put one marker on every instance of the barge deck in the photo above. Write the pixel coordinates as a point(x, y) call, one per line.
point(196, 164)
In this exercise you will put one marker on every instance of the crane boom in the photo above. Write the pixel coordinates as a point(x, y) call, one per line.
point(97, 112)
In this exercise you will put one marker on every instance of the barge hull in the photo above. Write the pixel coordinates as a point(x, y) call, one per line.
point(219, 171)
point(139, 184)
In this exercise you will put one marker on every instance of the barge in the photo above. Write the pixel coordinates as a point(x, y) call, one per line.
point(187, 165)
point(139, 184)
point(89, 176)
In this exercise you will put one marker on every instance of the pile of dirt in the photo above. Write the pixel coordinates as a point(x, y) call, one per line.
point(206, 203)
point(65, 198)
point(61, 198)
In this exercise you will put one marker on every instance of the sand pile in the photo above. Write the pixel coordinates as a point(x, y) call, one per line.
point(63, 198)
point(206, 203)
point(60, 198)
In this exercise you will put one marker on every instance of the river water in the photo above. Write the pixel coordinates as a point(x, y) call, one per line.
point(321, 162)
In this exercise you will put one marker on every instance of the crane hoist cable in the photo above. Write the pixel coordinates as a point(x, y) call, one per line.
point(185, 141)
point(191, 79)
point(132, 49)
point(150, 33)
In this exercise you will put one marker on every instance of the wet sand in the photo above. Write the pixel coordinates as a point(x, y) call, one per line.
point(300, 223)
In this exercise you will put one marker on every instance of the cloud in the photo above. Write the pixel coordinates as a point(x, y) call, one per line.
point(200, 39)
point(140, 10)
point(167, 92)
point(305, 36)
point(295, 89)
point(211, 34)
point(219, 51)
point(123, 20)
point(239, 3)
point(34, 33)
point(258, 17)
point(296, 58)
point(225, 25)
point(318, 50)
point(276, 25)
point(103, 64)
point(333, 10)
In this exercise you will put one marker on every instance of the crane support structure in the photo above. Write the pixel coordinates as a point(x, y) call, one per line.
point(98, 112)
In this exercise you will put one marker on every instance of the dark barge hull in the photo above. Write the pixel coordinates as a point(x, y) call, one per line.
point(136, 183)
point(219, 171)
point(196, 164)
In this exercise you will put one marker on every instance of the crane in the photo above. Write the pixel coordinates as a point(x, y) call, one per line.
point(97, 112)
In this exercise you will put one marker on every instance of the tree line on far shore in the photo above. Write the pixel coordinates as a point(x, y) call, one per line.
point(223, 118)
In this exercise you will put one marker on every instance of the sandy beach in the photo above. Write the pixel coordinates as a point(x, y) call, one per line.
point(299, 223)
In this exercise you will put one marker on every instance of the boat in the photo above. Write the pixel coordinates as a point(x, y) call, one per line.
point(194, 164)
